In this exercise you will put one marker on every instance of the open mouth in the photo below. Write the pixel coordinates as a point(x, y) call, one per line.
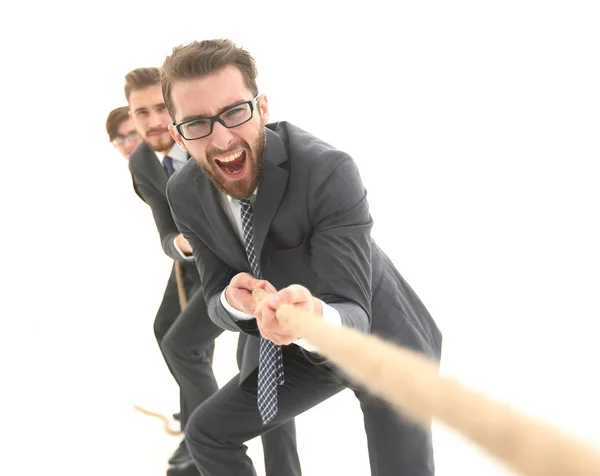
point(233, 165)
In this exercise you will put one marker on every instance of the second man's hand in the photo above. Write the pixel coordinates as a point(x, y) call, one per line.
point(184, 245)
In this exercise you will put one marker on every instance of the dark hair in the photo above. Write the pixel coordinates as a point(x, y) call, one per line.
point(201, 58)
point(115, 118)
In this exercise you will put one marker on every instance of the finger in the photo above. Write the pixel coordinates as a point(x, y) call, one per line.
point(244, 281)
point(273, 302)
point(268, 321)
point(265, 286)
point(282, 339)
point(294, 294)
point(237, 280)
point(266, 302)
point(262, 310)
point(269, 287)
point(278, 338)
point(270, 328)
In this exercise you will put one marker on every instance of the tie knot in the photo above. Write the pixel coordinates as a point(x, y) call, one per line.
point(245, 203)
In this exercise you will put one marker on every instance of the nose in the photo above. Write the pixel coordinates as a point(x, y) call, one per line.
point(221, 137)
point(158, 119)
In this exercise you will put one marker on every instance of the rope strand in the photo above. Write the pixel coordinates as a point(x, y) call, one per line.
point(182, 304)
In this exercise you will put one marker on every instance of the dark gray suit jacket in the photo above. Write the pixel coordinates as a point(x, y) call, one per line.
point(312, 227)
point(150, 183)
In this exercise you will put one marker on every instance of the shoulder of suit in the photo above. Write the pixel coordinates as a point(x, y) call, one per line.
point(184, 176)
point(141, 157)
point(305, 146)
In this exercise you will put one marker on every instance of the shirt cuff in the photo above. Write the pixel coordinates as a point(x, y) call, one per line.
point(235, 313)
point(183, 255)
point(330, 315)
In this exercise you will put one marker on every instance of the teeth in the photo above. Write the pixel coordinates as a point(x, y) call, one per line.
point(230, 157)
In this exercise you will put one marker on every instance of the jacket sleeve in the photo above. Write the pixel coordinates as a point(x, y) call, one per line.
point(341, 239)
point(161, 212)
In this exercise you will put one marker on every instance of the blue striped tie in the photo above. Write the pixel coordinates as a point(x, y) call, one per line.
point(270, 360)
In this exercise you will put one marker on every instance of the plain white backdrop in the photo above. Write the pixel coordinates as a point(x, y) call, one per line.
point(475, 126)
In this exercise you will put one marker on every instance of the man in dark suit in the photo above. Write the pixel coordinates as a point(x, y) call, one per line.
point(271, 206)
point(185, 337)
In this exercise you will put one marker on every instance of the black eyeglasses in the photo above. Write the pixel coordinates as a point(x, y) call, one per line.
point(201, 127)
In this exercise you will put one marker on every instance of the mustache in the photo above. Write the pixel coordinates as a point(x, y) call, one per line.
point(157, 129)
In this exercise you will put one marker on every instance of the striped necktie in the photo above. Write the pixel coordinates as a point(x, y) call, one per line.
point(270, 360)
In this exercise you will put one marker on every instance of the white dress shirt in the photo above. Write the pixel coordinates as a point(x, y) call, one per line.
point(232, 209)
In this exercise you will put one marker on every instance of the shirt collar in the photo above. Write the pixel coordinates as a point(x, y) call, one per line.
point(252, 197)
point(176, 153)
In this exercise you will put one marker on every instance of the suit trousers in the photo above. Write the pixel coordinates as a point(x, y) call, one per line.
point(188, 348)
point(217, 430)
point(169, 313)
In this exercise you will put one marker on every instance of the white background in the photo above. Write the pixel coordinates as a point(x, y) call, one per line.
point(476, 129)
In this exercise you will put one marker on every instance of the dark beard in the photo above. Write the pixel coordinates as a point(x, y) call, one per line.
point(242, 190)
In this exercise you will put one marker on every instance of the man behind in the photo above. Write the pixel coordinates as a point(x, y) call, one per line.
point(273, 207)
point(186, 338)
point(121, 132)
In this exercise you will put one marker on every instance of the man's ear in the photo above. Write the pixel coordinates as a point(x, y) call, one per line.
point(176, 137)
point(263, 107)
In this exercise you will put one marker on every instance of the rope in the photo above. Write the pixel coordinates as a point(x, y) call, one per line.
point(180, 285)
point(162, 417)
point(412, 384)
point(182, 304)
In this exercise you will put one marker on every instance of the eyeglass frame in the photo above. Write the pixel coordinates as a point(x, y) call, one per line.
point(130, 136)
point(218, 119)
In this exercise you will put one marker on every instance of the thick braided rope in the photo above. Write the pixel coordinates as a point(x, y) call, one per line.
point(413, 385)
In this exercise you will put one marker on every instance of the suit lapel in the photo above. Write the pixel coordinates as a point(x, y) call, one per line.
point(270, 191)
point(156, 172)
point(224, 234)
